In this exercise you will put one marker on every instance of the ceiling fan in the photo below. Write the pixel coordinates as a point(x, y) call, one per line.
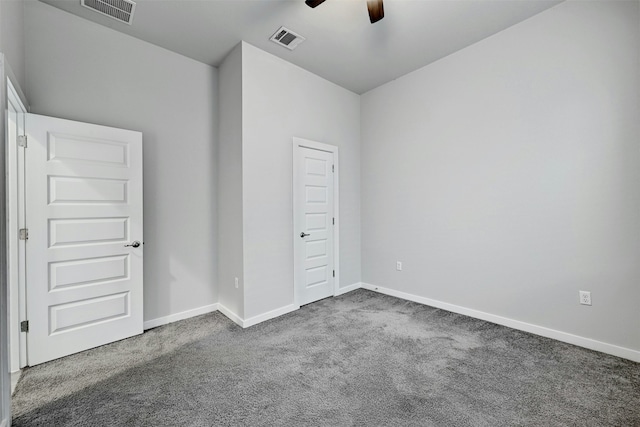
point(375, 7)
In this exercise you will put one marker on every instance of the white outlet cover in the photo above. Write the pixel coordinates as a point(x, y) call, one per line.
point(585, 297)
point(399, 265)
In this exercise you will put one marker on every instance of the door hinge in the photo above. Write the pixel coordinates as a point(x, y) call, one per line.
point(22, 141)
point(334, 273)
point(24, 326)
point(24, 234)
point(334, 221)
point(333, 168)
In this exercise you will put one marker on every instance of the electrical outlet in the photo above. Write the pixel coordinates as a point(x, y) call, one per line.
point(585, 298)
point(399, 265)
point(236, 283)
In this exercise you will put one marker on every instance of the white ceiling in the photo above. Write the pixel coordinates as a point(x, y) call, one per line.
point(341, 46)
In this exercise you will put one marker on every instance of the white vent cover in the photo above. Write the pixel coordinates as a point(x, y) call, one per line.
point(287, 38)
point(120, 10)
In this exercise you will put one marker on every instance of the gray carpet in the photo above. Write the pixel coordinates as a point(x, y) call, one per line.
point(360, 359)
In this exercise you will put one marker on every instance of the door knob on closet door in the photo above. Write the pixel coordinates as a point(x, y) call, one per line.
point(303, 234)
point(134, 244)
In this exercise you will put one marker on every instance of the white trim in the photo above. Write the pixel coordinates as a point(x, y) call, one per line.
point(15, 377)
point(154, 323)
point(301, 142)
point(15, 86)
point(3, 423)
point(16, 249)
point(349, 288)
point(259, 318)
point(269, 315)
point(5, 381)
point(589, 343)
point(231, 315)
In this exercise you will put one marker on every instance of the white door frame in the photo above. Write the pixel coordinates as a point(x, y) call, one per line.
point(305, 143)
point(5, 381)
point(16, 273)
point(10, 97)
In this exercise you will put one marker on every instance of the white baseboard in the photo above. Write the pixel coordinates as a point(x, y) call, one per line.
point(270, 315)
point(245, 323)
point(15, 376)
point(154, 323)
point(4, 423)
point(349, 288)
point(625, 353)
point(231, 315)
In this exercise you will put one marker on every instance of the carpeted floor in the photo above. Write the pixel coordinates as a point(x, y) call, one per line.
point(360, 359)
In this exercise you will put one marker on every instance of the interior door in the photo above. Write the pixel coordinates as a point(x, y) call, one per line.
point(84, 247)
point(314, 234)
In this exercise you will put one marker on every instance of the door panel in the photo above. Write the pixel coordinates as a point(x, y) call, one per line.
point(66, 147)
point(65, 189)
point(92, 271)
point(84, 204)
point(85, 231)
point(315, 212)
point(79, 314)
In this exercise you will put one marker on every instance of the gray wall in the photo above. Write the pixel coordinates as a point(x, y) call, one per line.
point(505, 176)
point(280, 101)
point(230, 244)
point(12, 37)
point(82, 71)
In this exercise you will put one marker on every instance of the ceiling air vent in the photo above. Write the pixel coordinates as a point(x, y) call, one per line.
point(120, 10)
point(287, 38)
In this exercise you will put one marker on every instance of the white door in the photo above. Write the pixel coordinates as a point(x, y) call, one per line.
point(314, 219)
point(83, 214)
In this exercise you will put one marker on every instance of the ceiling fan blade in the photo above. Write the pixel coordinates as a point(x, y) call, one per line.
point(313, 3)
point(376, 10)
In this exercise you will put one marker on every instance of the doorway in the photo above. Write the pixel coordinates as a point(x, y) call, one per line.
point(315, 220)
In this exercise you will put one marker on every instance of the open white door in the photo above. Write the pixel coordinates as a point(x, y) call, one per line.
point(84, 222)
point(314, 220)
